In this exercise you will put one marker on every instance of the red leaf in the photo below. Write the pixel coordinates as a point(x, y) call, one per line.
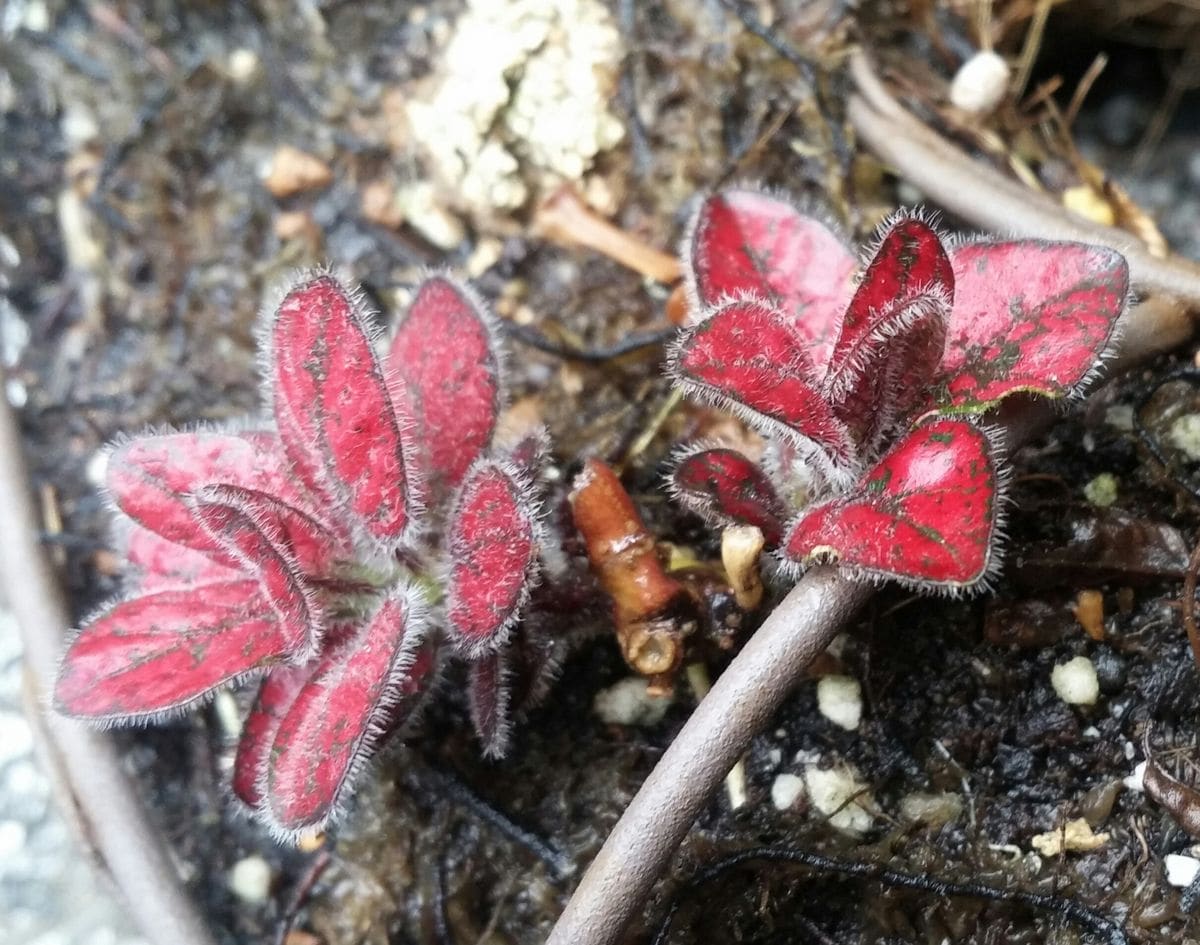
point(924, 516)
point(445, 352)
point(492, 555)
point(316, 550)
point(749, 356)
point(490, 696)
point(724, 486)
point(275, 697)
point(335, 414)
point(338, 719)
point(165, 650)
point(158, 564)
point(279, 578)
point(151, 477)
point(1028, 316)
point(744, 242)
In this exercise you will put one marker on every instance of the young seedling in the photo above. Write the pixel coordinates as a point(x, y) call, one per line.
point(372, 526)
point(899, 366)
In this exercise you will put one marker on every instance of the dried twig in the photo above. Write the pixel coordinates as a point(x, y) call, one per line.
point(763, 674)
point(107, 805)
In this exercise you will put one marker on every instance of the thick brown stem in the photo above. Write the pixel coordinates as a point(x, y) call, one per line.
point(756, 683)
point(108, 807)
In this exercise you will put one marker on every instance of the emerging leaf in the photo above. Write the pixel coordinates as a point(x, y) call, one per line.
point(158, 564)
point(166, 650)
point(150, 479)
point(747, 355)
point(275, 697)
point(722, 485)
point(338, 718)
point(446, 355)
point(1028, 316)
point(279, 579)
point(332, 405)
point(493, 555)
point(490, 694)
point(924, 516)
point(747, 243)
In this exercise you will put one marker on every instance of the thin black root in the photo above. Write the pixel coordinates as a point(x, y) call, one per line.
point(1103, 928)
point(636, 341)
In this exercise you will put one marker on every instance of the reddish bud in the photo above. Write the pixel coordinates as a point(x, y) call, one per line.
point(1028, 316)
point(747, 243)
point(724, 486)
point(489, 695)
point(335, 414)
point(275, 697)
point(339, 717)
point(166, 650)
point(445, 353)
point(492, 555)
point(925, 515)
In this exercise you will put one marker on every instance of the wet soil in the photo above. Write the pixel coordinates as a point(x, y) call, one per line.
point(138, 244)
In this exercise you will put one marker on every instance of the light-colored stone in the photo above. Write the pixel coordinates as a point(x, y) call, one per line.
point(1102, 491)
point(1185, 435)
point(931, 809)
point(980, 83)
point(842, 797)
point(1181, 870)
point(1075, 836)
point(250, 879)
point(1075, 681)
point(786, 789)
point(293, 171)
point(630, 702)
point(839, 699)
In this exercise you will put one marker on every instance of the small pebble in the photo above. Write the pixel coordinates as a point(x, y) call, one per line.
point(1182, 871)
point(293, 171)
point(629, 702)
point(1137, 780)
point(1075, 681)
point(931, 809)
point(839, 699)
point(250, 879)
point(841, 797)
point(786, 789)
point(1075, 836)
point(980, 83)
point(1101, 491)
point(1185, 435)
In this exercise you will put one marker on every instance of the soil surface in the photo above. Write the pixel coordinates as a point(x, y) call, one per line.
point(145, 213)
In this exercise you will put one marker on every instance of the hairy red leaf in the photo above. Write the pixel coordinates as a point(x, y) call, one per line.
point(275, 697)
point(492, 551)
point(339, 717)
point(150, 479)
point(490, 696)
point(335, 415)
point(165, 650)
point(278, 576)
point(1028, 316)
point(924, 516)
point(724, 486)
point(315, 548)
point(749, 356)
point(445, 352)
point(158, 564)
point(747, 243)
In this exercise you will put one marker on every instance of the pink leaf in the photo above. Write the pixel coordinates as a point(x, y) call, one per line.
point(151, 477)
point(338, 719)
point(490, 696)
point(165, 650)
point(316, 550)
point(924, 516)
point(335, 414)
point(275, 697)
point(724, 486)
point(492, 555)
point(1029, 316)
point(445, 352)
point(747, 243)
point(158, 564)
point(278, 576)
point(747, 354)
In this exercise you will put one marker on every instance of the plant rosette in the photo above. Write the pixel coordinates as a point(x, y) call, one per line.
point(870, 380)
point(370, 527)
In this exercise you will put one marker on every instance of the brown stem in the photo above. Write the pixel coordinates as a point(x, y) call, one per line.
point(761, 677)
point(105, 801)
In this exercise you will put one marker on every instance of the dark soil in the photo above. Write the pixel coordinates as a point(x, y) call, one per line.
point(137, 251)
